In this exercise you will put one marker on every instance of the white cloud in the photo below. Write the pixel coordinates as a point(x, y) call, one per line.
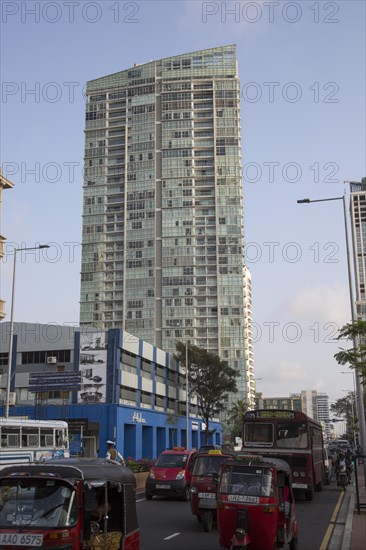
point(329, 303)
point(289, 371)
point(224, 21)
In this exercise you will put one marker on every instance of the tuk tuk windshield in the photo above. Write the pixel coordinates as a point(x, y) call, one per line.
point(35, 503)
point(208, 465)
point(247, 481)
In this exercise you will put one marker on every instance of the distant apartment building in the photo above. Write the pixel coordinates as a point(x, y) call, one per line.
point(293, 402)
point(358, 229)
point(322, 406)
point(312, 403)
point(162, 245)
point(4, 184)
point(309, 403)
point(358, 225)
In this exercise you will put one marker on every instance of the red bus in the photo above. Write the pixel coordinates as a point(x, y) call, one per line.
point(292, 436)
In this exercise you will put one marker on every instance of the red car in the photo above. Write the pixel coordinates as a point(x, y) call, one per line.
point(171, 474)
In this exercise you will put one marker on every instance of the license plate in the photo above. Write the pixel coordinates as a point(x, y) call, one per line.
point(299, 486)
point(163, 487)
point(207, 495)
point(20, 539)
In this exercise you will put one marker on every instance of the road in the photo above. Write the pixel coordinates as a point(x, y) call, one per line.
point(168, 524)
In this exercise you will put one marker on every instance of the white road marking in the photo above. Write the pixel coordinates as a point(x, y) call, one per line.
point(172, 536)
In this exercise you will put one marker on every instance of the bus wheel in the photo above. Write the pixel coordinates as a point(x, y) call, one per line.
point(319, 487)
point(309, 495)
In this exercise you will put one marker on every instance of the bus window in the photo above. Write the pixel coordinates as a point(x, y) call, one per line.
point(46, 437)
point(10, 437)
point(30, 437)
point(291, 435)
point(60, 439)
point(258, 433)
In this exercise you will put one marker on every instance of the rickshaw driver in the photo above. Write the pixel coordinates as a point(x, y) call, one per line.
point(106, 511)
point(254, 487)
point(239, 485)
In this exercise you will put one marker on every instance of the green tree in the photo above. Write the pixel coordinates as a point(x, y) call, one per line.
point(345, 408)
point(235, 417)
point(210, 379)
point(355, 356)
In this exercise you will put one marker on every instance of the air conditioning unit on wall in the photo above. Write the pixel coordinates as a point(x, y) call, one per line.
point(51, 360)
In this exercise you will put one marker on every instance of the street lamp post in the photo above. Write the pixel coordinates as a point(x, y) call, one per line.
point(360, 405)
point(187, 401)
point(11, 325)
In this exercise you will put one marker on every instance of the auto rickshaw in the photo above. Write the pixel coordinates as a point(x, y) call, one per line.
point(204, 486)
point(255, 504)
point(78, 504)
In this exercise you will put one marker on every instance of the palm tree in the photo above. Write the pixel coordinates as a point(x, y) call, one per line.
point(236, 415)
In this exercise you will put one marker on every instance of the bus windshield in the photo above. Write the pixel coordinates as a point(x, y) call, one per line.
point(35, 503)
point(258, 434)
point(291, 435)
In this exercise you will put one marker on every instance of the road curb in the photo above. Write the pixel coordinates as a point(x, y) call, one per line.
point(346, 542)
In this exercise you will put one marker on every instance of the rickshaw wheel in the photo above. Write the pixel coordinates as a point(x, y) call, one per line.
point(148, 497)
point(199, 517)
point(185, 496)
point(294, 544)
point(207, 519)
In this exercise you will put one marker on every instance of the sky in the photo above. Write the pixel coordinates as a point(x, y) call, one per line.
point(302, 76)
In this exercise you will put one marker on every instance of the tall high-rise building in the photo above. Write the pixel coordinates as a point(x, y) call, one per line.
point(322, 412)
point(358, 223)
point(162, 220)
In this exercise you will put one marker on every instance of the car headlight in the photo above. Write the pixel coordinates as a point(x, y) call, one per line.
point(302, 474)
point(180, 475)
point(193, 489)
point(296, 474)
point(152, 475)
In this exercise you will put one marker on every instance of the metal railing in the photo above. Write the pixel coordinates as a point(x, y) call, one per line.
point(356, 461)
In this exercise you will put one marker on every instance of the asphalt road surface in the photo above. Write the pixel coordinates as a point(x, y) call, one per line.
point(168, 524)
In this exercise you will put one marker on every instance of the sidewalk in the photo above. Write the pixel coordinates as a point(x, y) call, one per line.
point(355, 529)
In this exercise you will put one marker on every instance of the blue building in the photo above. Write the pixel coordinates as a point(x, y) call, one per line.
point(106, 384)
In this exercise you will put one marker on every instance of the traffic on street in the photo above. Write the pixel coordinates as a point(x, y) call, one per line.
point(168, 524)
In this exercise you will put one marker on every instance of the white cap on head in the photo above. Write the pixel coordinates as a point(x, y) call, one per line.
point(109, 442)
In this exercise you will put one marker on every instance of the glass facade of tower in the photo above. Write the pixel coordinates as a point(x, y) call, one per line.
point(358, 221)
point(162, 220)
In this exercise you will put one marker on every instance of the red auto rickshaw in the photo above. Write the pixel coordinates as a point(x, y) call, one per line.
point(204, 486)
point(78, 504)
point(255, 504)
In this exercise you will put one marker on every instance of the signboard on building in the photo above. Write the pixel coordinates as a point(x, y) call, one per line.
point(54, 381)
point(93, 367)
